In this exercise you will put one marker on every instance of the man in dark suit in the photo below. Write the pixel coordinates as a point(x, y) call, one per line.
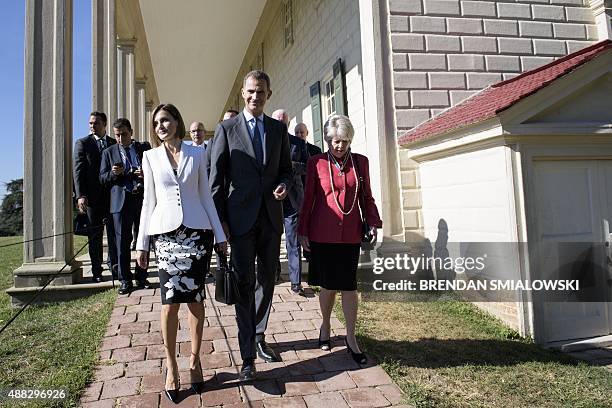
point(292, 205)
point(145, 146)
point(120, 170)
point(92, 198)
point(301, 131)
point(250, 173)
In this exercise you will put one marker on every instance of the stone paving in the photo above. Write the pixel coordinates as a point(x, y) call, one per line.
point(132, 357)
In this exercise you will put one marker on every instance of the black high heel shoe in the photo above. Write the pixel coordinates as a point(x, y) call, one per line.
point(359, 358)
point(198, 387)
point(324, 345)
point(172, 395)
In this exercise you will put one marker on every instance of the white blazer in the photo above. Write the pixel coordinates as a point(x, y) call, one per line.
point(170, 200)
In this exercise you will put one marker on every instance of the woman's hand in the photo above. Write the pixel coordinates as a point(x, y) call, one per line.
point(374, 234)
point(142, 258)
point(304, 242)
point(222, 247)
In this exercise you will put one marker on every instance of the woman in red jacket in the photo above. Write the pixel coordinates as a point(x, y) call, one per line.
point(330, 226)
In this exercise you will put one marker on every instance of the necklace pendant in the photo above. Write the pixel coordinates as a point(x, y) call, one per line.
point(340, 174)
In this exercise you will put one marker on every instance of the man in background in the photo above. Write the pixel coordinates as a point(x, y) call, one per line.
point(292, 205)
point(121, 171)
point(197, 133)
point(92, 198)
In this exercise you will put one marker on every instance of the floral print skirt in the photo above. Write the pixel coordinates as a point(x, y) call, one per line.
point(181, 262)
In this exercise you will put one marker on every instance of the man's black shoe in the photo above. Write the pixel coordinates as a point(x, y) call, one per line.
point(296, 288)
point(125, 288)
point(248, 371)
point(97, 279)
point(143, 284)
point(266, 352)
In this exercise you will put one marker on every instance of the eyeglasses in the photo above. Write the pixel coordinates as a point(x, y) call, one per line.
point(197, 131)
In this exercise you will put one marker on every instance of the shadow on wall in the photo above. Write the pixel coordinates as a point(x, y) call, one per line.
point(439, 251)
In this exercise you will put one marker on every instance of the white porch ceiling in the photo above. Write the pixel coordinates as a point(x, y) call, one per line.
point(197, 47)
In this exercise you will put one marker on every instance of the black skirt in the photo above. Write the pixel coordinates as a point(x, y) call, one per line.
point(181, 258)
point(333, 266)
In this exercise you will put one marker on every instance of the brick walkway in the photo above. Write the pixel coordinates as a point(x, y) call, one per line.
point(132, 357)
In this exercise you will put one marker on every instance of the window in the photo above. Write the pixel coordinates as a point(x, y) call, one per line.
point(329, 98)
point(288, 22)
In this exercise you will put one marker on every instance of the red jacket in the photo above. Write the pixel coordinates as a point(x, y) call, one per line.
point(320, 218)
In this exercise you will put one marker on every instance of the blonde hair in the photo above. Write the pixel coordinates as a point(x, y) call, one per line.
point(343, 126)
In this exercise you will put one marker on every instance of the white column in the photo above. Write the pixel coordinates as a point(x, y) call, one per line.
point(47, 200)
point(104, 58)
point(126, 79)
point(380, 135)
point(149, 106)
point(602, 11)
point(140, 124)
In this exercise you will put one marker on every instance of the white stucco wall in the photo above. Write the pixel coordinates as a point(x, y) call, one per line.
point(321, 35)
point(473, 194)
point(323, 31)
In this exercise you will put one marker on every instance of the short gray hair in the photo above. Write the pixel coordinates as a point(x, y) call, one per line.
point(343, 126)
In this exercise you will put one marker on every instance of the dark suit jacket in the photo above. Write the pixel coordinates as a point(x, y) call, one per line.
point(313, 150)
point(239, 184)
point(86, 171)
point(110, 156)
point(299, 157)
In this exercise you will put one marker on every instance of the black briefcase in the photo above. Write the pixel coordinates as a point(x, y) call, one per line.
point(81, 224)
point(226, 285)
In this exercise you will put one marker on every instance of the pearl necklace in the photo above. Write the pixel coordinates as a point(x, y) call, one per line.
point(331, 179)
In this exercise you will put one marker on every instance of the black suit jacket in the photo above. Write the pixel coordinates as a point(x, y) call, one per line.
point(110, 156)
point(239, 184)
point(86, 170)
point(313, 150)
point(299, 157)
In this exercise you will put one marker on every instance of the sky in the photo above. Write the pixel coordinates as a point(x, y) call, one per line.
point(12, 77)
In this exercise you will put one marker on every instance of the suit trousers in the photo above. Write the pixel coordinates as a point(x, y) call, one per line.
point(294, 250)
point(96, 215)
point(256, 287)
point(209, 244)
point(123, 222)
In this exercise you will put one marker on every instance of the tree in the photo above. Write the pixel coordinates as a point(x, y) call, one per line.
point(11, 212)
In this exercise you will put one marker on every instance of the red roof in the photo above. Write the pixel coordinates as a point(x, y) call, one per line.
point(498, 97)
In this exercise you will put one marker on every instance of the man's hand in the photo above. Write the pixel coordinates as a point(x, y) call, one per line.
point(82, 205)
point(142, 258)
point(304, 242)
point(226, 230)
point(117, 170)
point(280, 192)
point(222, 246)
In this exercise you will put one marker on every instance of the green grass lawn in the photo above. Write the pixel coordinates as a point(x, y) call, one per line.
point(450, 354)
point(49, 347)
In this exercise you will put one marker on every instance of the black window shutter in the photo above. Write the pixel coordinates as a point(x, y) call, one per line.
point(315, 105)
point(339, 87)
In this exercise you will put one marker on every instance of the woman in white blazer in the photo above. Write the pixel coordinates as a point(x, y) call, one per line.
point(176, 210)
